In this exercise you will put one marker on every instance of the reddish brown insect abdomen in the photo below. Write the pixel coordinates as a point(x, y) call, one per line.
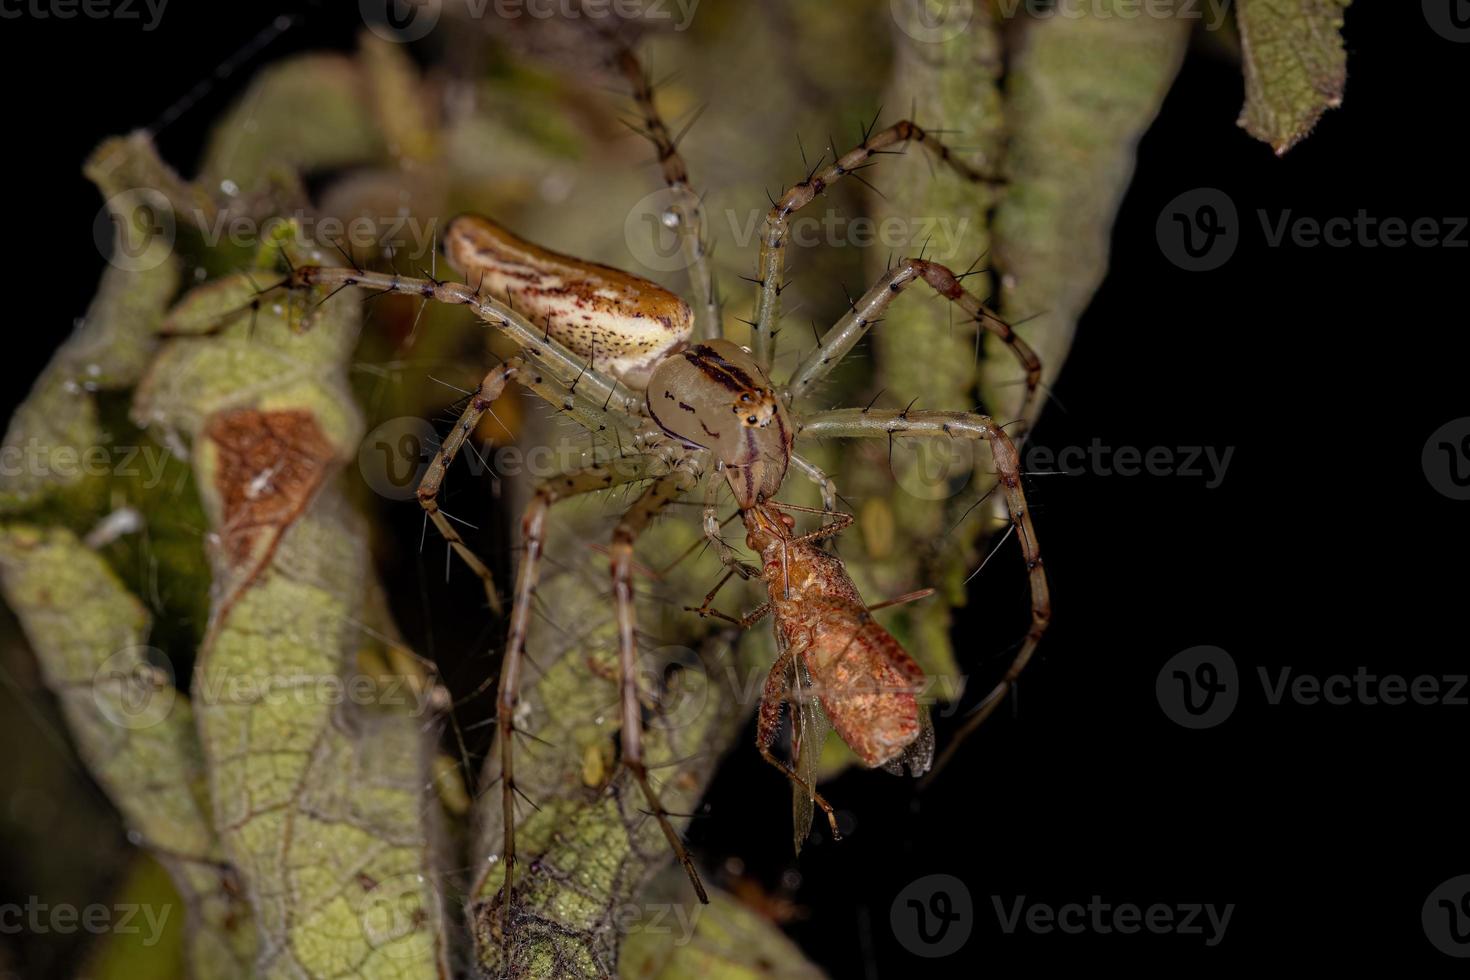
point(866, 681)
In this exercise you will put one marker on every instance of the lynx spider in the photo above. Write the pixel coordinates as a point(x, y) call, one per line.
point(716, 379)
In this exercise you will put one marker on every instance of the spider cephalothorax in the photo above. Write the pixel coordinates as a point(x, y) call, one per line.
point(713, 395)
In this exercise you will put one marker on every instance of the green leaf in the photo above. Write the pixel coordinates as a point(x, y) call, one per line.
point(50, 433)
point(1081, 92)
point(1295, 66)
point(672, 937)
point(318, 770)
point(134, 730)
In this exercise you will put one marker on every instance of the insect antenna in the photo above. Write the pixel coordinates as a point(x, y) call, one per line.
point(914, 596)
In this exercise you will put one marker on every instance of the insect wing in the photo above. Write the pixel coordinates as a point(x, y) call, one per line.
point(809, 730)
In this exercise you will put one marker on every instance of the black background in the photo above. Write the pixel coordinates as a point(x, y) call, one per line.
point(1323, 549)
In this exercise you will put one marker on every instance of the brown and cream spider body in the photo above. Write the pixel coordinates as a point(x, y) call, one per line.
point(627, 358)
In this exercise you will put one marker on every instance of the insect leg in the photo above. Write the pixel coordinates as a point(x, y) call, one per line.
point(840, 522)
point(768, 726)
point(744, 622)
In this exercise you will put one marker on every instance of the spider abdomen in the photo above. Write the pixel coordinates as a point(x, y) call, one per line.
point(621, 323)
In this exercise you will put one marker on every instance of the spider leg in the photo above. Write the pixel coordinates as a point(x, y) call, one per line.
point(821, 479)
point(595, 392)
point(857, 422)
point(772, 262)
point(712, 529)
point(841, 339)
point(687, 208)
point(589, 479)
point(635, 520)
point(428, 492)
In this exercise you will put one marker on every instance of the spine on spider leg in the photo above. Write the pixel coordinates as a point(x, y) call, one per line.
point(944, 282)
point(868, 310)
point(688, 209)
point(838, 341)
point(774, 233)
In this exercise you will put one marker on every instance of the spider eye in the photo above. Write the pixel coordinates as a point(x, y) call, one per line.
point(750, 420)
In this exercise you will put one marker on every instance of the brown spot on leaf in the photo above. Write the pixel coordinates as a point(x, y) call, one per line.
point(270, 464)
